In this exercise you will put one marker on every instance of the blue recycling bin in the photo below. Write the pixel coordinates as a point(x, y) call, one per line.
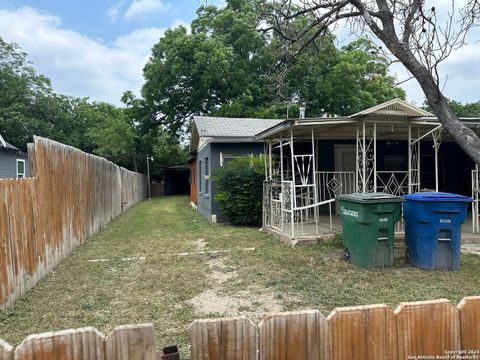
point(433, 222)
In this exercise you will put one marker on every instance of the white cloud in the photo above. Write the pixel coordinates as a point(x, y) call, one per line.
point(139, 8)
point(114, 11)
point(77, 64)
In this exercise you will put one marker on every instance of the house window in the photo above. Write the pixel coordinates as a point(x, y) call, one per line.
point(207, 176)
point(224, 158)
point(20, 168)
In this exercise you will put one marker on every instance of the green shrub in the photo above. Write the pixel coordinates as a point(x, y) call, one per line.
point(240, 190)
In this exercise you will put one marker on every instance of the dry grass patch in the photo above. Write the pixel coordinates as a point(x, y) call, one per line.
point(171, 290)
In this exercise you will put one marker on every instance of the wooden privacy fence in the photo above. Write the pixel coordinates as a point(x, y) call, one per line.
point(71, 196)
point(429, 329)
point(418, 330)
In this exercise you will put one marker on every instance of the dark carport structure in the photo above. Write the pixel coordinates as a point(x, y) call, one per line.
point(177, 179)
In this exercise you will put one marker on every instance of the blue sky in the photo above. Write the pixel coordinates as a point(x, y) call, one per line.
point(92, 48)
point(98, 48)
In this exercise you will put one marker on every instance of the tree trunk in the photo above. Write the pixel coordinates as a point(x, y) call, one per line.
point(463, 136)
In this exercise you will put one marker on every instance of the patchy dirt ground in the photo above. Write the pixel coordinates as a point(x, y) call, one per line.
point(253, 302)
point(161, 262)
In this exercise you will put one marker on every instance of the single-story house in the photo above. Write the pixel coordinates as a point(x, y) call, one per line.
point(214, 141)
point(13, 161)
point(393, 147)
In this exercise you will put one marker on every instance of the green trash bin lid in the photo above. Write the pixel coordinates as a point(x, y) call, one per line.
point(369, 198)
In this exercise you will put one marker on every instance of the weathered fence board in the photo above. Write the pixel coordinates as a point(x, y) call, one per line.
point(298, 335)
point(77, 344)
point(6, 351)
point(469, 309)
point(42, 219)
point(131, 342)
point(363, 332)
point(427, 328)
point(223, 339)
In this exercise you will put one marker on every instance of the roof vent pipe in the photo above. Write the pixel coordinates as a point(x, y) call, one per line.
point(302, 111)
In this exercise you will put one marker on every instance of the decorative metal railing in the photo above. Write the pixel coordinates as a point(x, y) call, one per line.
point(392, 182)
point(333, 183)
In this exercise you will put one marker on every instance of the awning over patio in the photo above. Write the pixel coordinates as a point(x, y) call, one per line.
point(298, 190)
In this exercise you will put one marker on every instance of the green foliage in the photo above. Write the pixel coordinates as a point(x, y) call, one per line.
point(226, 67)
point(113, 135)
point(460, 109)
point(239, 190)
point(28, 106)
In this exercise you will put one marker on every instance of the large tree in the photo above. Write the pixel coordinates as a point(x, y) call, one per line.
point(29, 106)
point(23, 96)
point(410, 30)
point(226, 66)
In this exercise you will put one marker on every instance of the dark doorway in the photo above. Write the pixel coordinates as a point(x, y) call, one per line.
point(177, 179)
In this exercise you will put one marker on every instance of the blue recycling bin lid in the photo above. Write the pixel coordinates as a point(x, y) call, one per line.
point(437, 197)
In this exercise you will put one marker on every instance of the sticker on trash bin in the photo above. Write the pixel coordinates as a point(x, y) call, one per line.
point(445, 221)
point(349, 212)
point(383, 220)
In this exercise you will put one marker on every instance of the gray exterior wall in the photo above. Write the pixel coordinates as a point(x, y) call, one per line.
point(206, 204)
point(8, 163)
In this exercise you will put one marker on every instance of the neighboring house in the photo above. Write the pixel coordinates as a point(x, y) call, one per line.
point(13, 162)
point(214, 141)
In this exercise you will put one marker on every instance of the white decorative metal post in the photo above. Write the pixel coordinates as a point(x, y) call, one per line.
point(413, 161)
point(366, 157)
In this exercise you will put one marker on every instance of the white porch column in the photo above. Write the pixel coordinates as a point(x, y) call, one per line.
point(409, 157)
point(357, 165)
point(366, 157)
point(375, 156)
point(437, 141)
point(270, 159)
point(292, 188)
point(315, 190)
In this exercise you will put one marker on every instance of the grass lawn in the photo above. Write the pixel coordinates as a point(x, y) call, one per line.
point(172, 289)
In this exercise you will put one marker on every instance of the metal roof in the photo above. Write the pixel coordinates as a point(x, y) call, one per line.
point(223, 129)
point(7, 145)
point(395, 107)
point(208, 126)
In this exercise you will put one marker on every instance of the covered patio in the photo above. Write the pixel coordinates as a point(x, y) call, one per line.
point(394, 147)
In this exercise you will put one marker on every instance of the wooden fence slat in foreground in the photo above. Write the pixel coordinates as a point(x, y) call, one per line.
point(131, 342)
point(223, 339)
point(469, 309)
point(6, 351)
point(75, 344)
point(297, 335)
point(363, 333)
point(427, 328)
point(424, 329)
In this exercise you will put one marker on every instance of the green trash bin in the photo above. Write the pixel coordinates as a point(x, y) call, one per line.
point(368, 227)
